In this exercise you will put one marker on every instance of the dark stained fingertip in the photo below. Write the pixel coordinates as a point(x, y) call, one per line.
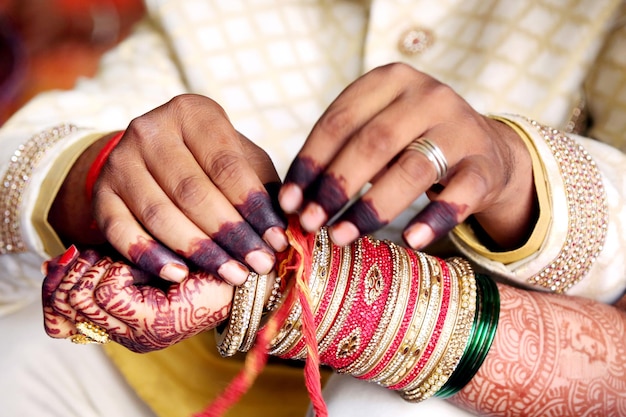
point(261, 261)
point(155, 258)
point(300, 175)
point(302, 172)
point(329, 193)
point(239, 240)
point(261, 212)
point(290, 198)
point(440, 216)
point(207, 255)
point(343, 233)
point(364, 216)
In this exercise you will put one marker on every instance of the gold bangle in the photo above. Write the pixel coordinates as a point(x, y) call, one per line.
point(336, 298)
point(346, 303)
point(444, 337)
point(388, 375)
point(256, 313)
point(275, 296)
point(230, 338)
point(395, 311)
point(433, 378)
point(431, 315)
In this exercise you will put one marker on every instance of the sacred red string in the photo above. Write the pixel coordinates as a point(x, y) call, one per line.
point(294, 266)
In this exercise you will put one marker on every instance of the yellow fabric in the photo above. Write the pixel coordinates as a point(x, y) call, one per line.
point(49, 189)
point(184, 378)
point(537, 237)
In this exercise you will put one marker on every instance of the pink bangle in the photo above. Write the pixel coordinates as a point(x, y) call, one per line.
point(98, 163)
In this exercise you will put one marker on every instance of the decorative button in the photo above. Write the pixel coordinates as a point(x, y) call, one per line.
point(415, 41)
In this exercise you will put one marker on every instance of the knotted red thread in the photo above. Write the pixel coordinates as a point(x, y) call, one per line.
point(294, 266)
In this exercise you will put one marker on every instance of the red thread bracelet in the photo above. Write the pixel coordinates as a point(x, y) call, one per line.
point(98, 163)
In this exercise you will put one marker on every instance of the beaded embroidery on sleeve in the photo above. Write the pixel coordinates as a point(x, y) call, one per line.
point(587, 212)
point(17, 177)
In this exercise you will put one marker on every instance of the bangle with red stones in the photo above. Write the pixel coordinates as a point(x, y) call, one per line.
point(387, 314)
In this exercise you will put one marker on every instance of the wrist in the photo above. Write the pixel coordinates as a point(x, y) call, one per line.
point(70, 212)
point(511, 219)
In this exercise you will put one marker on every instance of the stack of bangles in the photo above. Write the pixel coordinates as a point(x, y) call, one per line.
point(405, 320)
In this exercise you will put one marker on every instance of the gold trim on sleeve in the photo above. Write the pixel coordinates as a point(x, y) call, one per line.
point(587, 212)
point(538, 235)
point(17, 177)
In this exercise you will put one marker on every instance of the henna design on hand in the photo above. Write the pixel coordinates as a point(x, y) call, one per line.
point(552, 356)
point(141, 317)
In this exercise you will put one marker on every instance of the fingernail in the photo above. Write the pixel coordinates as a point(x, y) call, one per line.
point(290, 198)
point(260, 261)
point(276, 238)
point(313, 217)
point(233, 272)
point(343, 233)
point(69, 255)
point(419, 236)
point(174, 272)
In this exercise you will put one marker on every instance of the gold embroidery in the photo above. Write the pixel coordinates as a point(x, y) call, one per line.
point(17, 177)
point(374, 285)
point(349, 345)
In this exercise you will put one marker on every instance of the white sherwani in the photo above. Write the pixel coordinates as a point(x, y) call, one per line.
point(275, 66)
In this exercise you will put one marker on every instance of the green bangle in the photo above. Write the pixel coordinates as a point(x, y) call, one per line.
point(480, 339)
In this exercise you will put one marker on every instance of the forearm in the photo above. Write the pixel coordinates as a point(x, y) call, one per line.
point(544, 343)
point(552, 355)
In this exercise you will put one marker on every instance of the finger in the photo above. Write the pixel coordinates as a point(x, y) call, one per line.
point(467, 189)
point(392, 193)
point(199, 303)
point(82, 299)
point(54, 270)
point(236, 166)
point(231, 182)
point(358, 103)
point(393, 190)
point(271, 224)
point(61, 316)
point(125, 233)
point(379, 141)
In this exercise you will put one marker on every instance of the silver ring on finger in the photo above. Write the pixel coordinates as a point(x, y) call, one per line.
point(433, 153)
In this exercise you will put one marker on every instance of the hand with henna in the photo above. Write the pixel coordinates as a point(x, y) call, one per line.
point(363, 137)
point(138, 310)
point(184, 189)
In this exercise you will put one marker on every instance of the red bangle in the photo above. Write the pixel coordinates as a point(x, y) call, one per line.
point(98, 163)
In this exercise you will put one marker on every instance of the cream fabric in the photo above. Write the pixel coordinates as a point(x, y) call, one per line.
point(276, 64)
